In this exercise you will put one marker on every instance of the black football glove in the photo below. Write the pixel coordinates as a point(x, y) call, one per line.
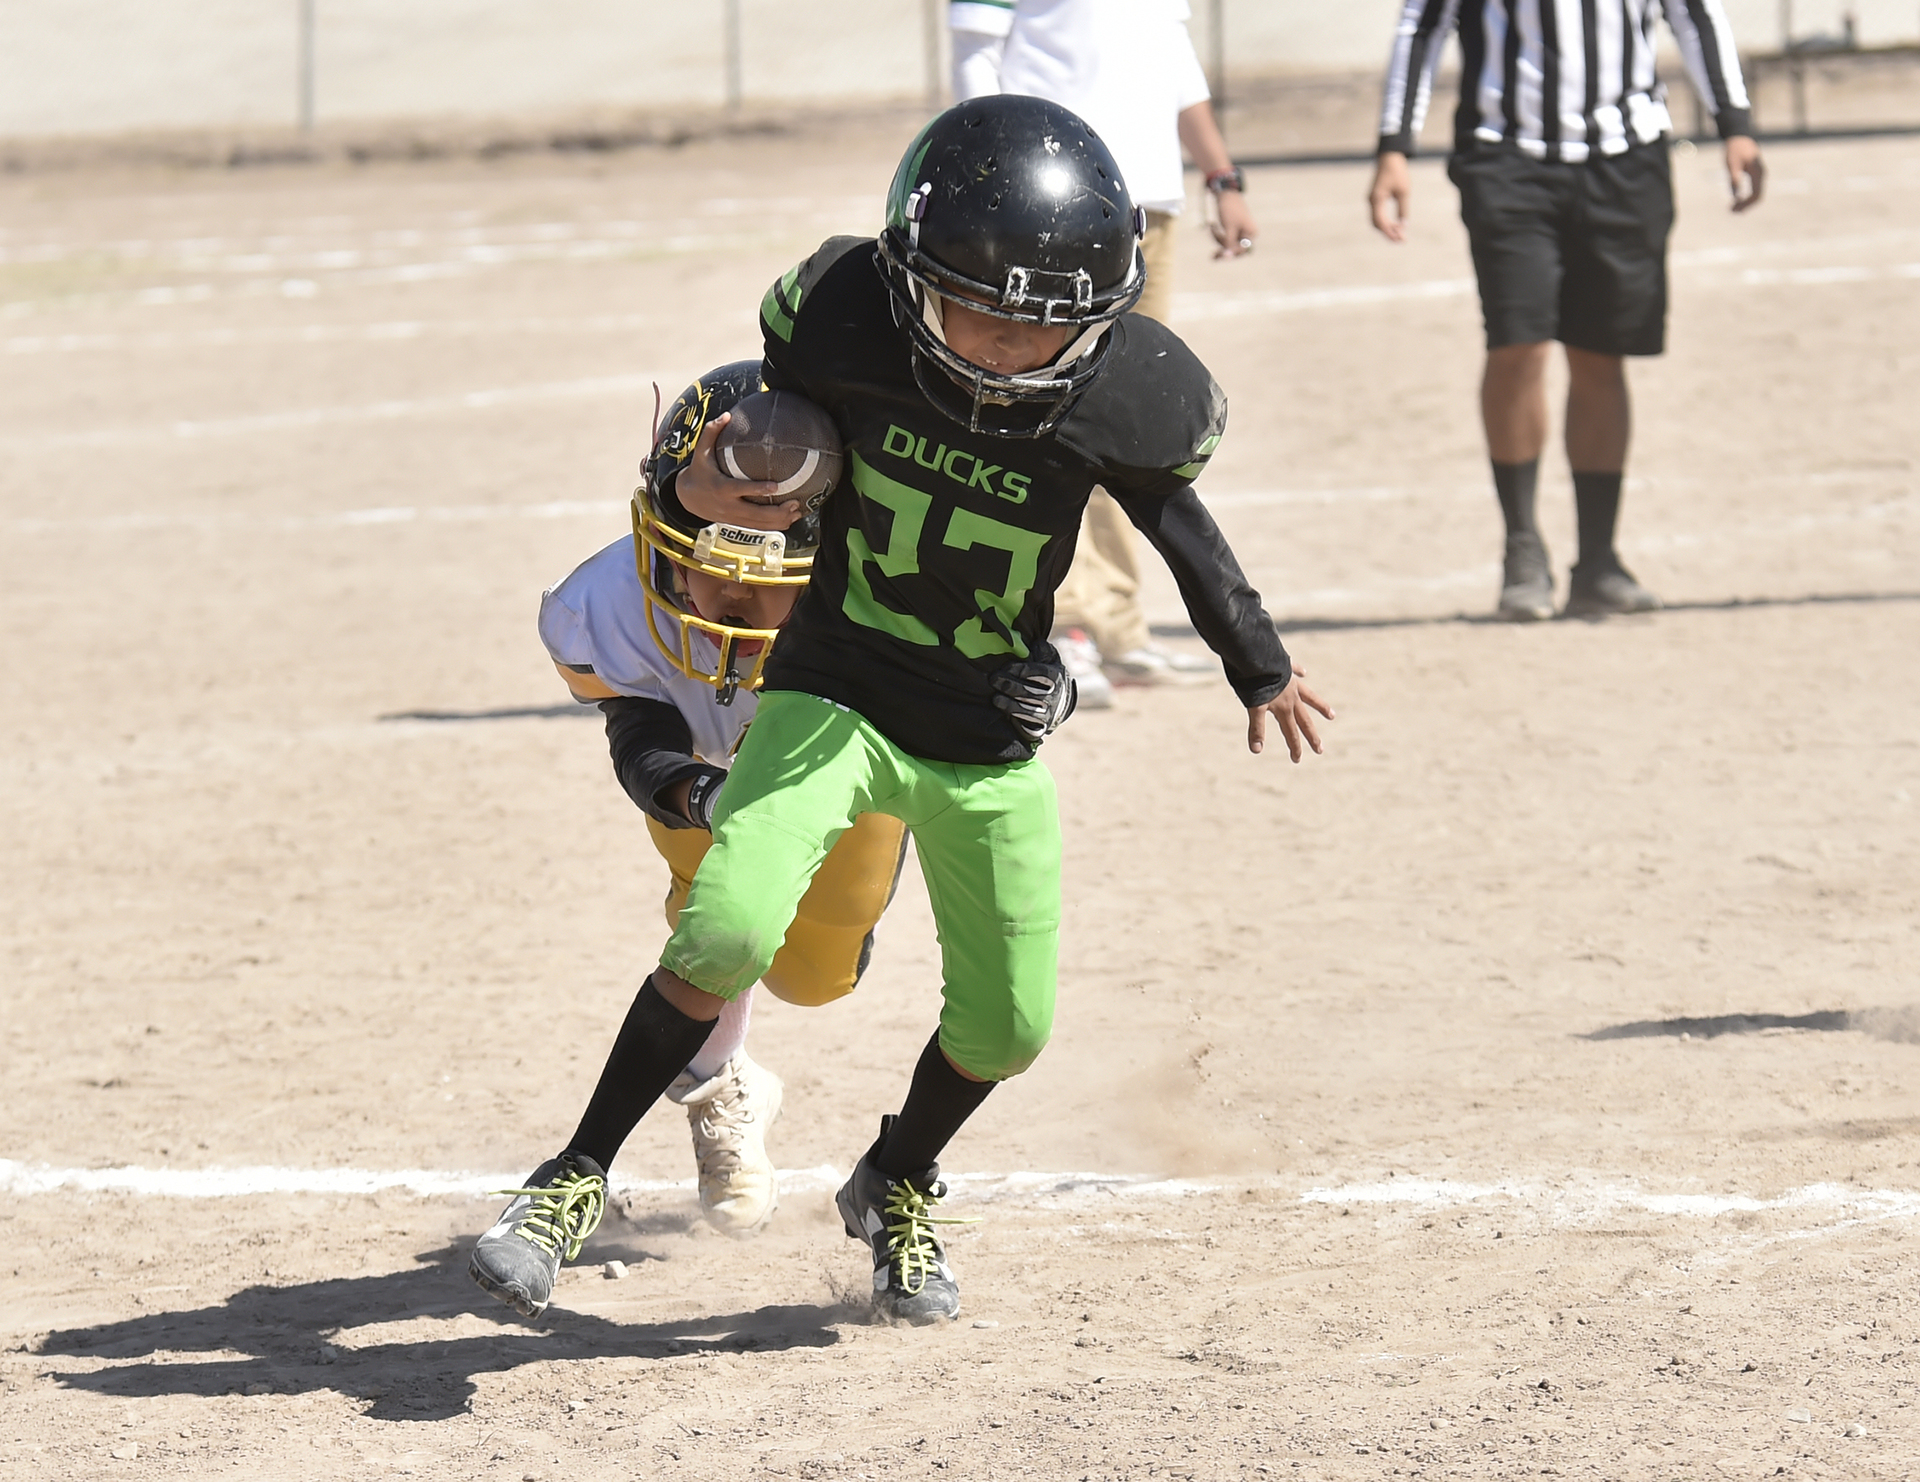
point(1036, 695)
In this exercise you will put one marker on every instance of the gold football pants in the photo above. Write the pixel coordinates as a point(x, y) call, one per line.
point(831, 938)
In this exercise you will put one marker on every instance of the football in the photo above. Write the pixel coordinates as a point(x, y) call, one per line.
point(782, 438)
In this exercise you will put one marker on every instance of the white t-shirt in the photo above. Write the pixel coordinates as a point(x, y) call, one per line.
point(1126, 66)
point(598, 616)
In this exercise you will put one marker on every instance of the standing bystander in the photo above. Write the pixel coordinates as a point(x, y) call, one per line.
point(1129, 69)
point(1560, 154)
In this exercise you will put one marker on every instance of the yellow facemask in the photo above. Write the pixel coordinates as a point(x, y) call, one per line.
point(756, 558)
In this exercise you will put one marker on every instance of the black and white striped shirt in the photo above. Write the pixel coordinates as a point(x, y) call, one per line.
point(1559, 78)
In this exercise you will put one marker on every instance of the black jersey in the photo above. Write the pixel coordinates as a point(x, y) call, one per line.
point(942, 548)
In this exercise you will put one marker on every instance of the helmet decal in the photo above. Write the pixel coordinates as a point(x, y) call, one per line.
point(904, 177)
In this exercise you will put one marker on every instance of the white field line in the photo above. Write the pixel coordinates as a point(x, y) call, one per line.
point(1196, 306)
point(378, 411)
point(379, 332)
point(406, 514)
point(399, 514)
point(1567, 1205)
point(1573, 1204)
point(305, 275)
point(278, 252)
point(233, 1183)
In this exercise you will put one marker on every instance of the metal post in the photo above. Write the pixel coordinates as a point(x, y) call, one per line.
point(1217, 59)
point(932, 13)
point(304, 64)
point(730, 42)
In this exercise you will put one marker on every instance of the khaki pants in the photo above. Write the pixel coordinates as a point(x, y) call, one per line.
point(1157, 249)
point(827, 946)
point(1102, 591)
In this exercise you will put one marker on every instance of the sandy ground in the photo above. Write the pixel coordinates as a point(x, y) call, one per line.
point(1524, 1088)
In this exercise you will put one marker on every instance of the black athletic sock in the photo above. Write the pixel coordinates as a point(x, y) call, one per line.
point(1596, 501)
point(1516, 484)
point(938, 1103)
point(653, 1046)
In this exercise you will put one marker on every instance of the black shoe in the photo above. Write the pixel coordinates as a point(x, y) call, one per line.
point(1526, 584)
point(911, 1279)
point(1604, 588)
point(547, 1222)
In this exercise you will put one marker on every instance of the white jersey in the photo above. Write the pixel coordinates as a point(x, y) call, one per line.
point(1126, 66)
point(597, 619)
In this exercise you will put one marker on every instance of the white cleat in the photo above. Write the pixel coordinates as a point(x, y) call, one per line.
point(729, 1116)
point(1152, 664)
point(1080, 657)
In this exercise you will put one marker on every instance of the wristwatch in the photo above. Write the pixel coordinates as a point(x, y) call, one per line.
point(1230, 178)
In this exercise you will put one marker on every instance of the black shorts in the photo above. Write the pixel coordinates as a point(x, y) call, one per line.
point(1576, 253)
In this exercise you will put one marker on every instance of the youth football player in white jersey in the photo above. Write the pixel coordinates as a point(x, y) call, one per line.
point(667, 631)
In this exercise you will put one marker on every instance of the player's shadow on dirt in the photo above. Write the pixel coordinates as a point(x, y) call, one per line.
point(508, 712)
point(283, 1332)
point(1829, 1020)
point(1471, 619)
point(1898, 1025)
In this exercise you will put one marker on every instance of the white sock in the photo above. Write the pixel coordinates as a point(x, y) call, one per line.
point(729, 1037)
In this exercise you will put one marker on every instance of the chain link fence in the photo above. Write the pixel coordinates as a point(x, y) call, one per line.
point(90, 67)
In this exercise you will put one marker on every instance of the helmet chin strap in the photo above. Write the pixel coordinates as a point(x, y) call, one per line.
point(729, 670)
point(932, 310)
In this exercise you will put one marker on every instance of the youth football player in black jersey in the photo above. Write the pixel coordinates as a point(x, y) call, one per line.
point(978, 365)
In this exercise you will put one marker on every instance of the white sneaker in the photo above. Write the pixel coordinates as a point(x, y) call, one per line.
point(1152, 664)
point(729, 1115)
point(1080, 656)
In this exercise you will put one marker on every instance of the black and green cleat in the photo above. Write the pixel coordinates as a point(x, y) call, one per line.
point(912, 1282)
point(548, 1221)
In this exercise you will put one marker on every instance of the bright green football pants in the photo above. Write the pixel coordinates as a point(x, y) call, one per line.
point(988, 838)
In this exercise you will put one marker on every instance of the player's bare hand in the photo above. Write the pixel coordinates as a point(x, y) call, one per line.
point(1746, 172)
point(1391, 198)
point(1294, 708)
point(707, 493)
point(1234, 230)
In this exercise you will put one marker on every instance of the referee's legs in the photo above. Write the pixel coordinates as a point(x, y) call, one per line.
point(1599, 420)
point(1513, 405)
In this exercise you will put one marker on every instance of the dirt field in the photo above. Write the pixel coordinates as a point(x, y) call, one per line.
point(1524, 1088)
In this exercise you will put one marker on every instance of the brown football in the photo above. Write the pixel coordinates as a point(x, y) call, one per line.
point(782, 438)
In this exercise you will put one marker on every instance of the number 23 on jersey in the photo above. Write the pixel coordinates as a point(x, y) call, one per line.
point(991, 630)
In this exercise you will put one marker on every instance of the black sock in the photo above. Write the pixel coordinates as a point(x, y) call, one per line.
point(1596, 501)
point(653, 1046)
point(1516, 484)
point(938, 1103)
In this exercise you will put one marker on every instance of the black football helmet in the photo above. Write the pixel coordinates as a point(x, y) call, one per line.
point(1015, 205)
point(666, 537)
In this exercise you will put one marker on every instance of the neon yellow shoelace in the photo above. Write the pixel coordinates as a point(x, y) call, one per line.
point(910, 1243)
point(566, 1211)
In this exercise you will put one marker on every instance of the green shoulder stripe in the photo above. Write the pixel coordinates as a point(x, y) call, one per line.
point(782, 303)
point(1200, 456)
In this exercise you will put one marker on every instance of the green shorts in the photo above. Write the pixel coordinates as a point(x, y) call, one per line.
point(988, 838)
